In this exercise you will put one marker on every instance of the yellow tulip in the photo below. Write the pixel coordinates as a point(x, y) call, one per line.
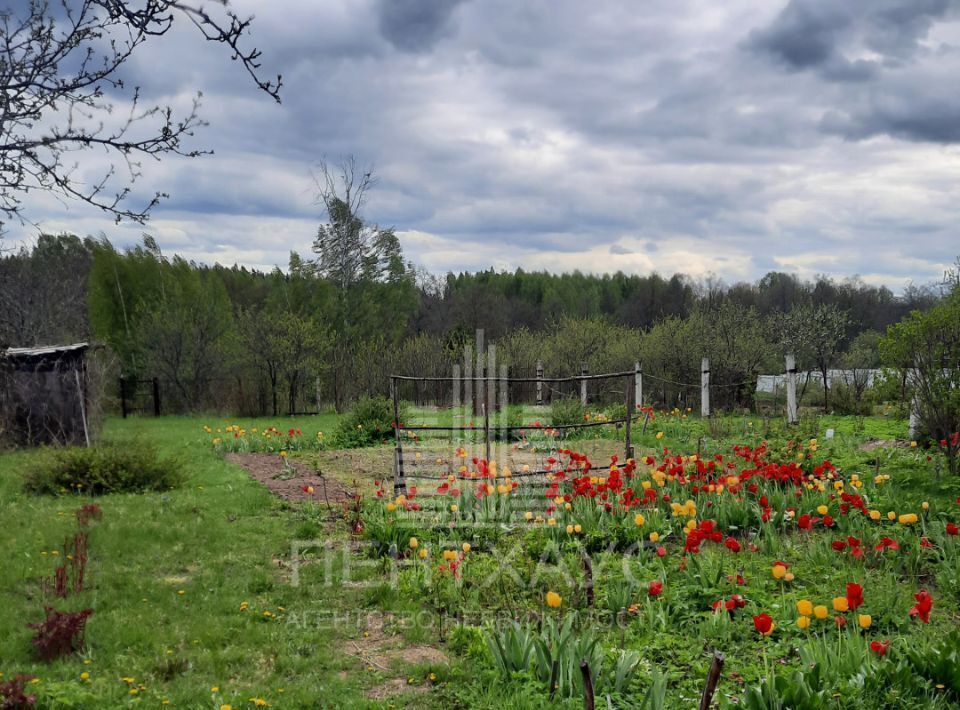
point(779, 571)
point(803, 622)
point(841, 604)
point(821, 612)
point(554, 600)
point(865, 620)
point(805, 607)
point(639, 519)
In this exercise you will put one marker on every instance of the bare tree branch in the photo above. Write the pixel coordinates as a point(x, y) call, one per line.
point(60, 85)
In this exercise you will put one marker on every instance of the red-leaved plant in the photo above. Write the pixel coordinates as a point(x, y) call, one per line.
point(60, 634)
point(91, 511)
point(13, 694)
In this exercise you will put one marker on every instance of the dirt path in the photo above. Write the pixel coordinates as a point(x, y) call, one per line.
point(289, 480)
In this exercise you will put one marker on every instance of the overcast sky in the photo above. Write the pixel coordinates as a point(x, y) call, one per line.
point(695, 136)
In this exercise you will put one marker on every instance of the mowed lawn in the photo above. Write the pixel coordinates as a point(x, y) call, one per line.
point(167, 578)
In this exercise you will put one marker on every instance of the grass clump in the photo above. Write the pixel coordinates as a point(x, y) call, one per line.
point(107, 468)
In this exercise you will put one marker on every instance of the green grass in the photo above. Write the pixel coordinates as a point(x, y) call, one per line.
point(223, 540)
point(217, 540)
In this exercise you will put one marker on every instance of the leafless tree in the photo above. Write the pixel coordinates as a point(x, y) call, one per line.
point(62, 94)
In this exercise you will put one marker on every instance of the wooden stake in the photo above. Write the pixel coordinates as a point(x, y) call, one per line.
point(588, 700)
point(713, 678)
point(83, 408)
point(539, 383)
point(705, 388)
point(791, 389)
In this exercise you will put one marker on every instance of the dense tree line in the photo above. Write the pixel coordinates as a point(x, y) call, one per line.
point(245, 341)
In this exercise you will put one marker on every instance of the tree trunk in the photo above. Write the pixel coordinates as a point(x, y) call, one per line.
point(826, 390)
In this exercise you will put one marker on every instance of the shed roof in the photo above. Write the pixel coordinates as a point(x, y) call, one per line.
point(45, 350)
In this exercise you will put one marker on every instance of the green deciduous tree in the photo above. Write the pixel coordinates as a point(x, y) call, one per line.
point(930, 343)
point(816, 335)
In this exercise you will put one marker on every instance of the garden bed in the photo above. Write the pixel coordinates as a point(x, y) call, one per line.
point(292, 480)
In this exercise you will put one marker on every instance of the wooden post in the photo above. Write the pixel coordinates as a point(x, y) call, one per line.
point(399, 484)
point(628, 427)
point(503, 419)
point(83, 407)
point(481, 372)
point(705, 388)
point(791, 389)
point(637, 385)
point(588, 698)
point(490, 393)
point(539, 383)
point(123, 398)
point(583, 384)
point(468, 385)
point(455, 410)
point(713, 679)
point(156, 397)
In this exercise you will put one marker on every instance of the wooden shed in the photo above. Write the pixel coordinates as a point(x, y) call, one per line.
point(44, 396)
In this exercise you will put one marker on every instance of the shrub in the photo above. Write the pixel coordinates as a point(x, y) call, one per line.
point(846, 400)
point(129, 468)
point(368, 424)
point(60, 634)
point(564, 412)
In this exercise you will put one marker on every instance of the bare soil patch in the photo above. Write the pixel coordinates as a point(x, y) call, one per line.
point(378, 648)
point(884, 444)
point(288, 481)
point(393, 688)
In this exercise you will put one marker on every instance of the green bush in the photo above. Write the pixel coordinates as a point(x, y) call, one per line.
point(843, 400)
point(107, 468)
point(564, 412)
point(370, 423)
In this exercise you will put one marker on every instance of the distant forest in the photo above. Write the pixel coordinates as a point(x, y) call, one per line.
point(241, 341)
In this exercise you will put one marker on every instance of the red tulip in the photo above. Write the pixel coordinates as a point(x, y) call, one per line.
point(854, 595)
point(879, 647)
point(763, 624)
point(923, 606)
point(656, 588)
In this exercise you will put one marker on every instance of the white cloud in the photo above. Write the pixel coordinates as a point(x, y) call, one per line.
point(687, 136)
